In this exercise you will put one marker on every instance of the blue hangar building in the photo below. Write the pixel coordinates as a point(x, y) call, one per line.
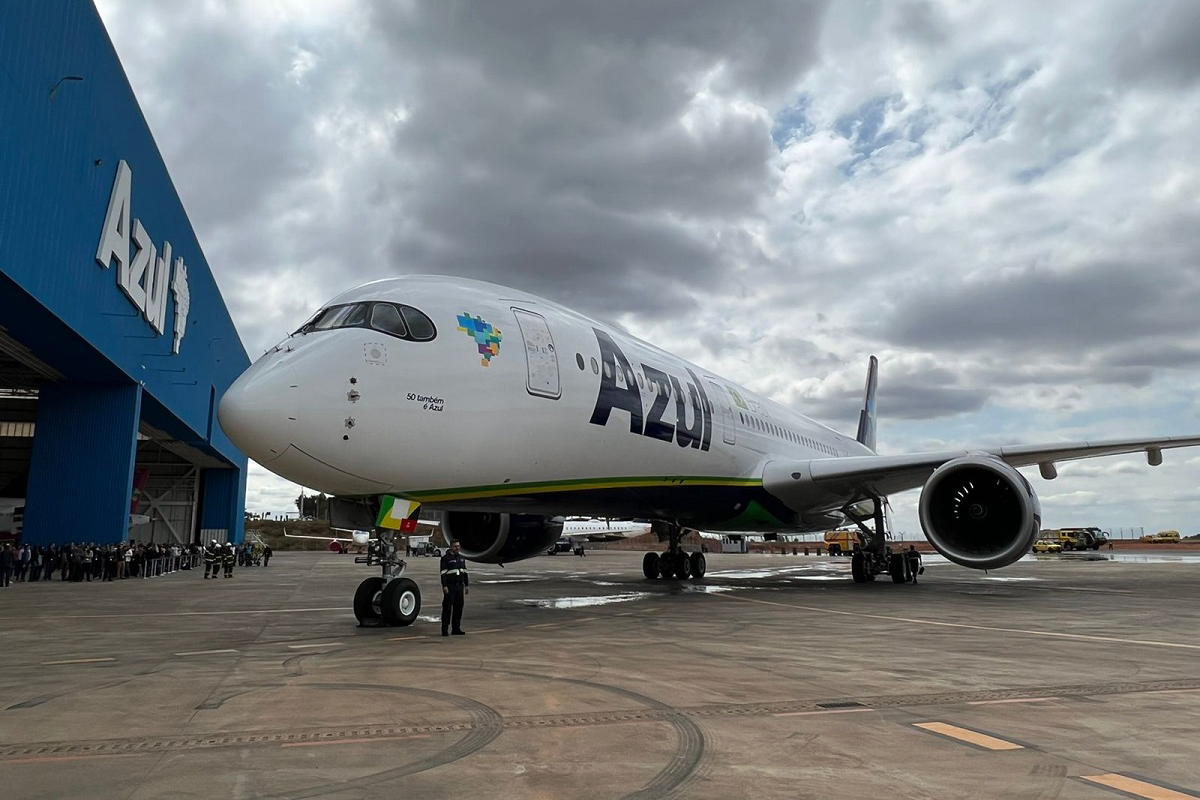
point(115, 343)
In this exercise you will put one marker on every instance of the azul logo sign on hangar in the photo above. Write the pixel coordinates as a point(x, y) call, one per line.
point(142, 273)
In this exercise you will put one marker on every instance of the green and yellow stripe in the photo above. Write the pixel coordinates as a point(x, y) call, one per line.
point(582, 484)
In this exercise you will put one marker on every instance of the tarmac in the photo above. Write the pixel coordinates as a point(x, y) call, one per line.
point(1068, 676)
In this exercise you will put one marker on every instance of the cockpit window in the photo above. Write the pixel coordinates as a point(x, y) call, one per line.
point(350, 316)
point(386, 317)
point(404, 322)
point(419, 325)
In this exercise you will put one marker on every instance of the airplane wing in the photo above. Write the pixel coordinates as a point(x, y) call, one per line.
point(322, 538)
point(884, 475)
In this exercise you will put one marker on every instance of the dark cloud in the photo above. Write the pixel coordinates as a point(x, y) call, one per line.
point(1161, 44)
point(570, 150)
point(1051, 312)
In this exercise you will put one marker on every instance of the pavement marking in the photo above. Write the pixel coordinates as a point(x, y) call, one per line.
point(360, 740)
point(825, 711)
point(1010, 700)
point(204, 652)
point(196, 613)
point(491, 630)
point(1123, 783)
point(939, 623)
point(76, 661)
point(44, 759)
point(544, 625)
point(405, 638)
point(969, 736)
point(318, 644)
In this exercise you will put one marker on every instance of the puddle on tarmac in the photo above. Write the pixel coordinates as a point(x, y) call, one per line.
point(583, 602)
point(838, 578)
point(1006, 578)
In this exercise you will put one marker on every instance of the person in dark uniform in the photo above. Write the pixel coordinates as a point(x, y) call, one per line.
point(228, 557)
point(210, 560)
point(266, 555)
point(914, 562)
point(454, 590)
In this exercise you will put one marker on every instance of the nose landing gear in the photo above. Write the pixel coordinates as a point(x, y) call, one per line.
point(390, 599)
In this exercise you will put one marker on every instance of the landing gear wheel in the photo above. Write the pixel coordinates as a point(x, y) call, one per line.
point(858, 567)
point(699, 566)
point(650, 565)
point(682, 567)
point(400, 602)
point(366, 601)
point(666, 566)
point(896, 568)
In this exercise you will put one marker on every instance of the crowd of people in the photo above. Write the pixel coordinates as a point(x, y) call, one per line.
point(81, 561)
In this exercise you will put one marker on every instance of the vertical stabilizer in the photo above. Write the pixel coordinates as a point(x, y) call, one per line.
point(866, 417)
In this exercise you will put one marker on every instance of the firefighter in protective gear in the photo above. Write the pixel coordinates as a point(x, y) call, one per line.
point(454, 589)
point(228, 557)
point(211, 559)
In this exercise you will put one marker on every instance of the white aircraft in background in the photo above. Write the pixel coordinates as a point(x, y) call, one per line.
point(479, 400)
point(576, 533)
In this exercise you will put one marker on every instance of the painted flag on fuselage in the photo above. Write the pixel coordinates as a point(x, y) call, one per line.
point(397, 515)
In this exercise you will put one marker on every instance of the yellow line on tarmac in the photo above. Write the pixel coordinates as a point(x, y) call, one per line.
point(939, 623)
point(968, 736)
point(1135, 787)
point(76, 661)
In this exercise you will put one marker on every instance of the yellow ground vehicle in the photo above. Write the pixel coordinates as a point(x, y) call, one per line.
point(1162, 537)
point(1047, 546)
point(1077, 538)
point(838, 542)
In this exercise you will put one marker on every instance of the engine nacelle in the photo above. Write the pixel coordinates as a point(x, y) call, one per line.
point(980, 512)
point(494, 538)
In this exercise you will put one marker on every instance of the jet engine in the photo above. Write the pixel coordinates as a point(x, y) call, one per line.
point(494, 538)
point(980, 512)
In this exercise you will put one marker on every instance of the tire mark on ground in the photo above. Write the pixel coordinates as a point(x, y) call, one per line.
point(485, 725)
point(689, 735)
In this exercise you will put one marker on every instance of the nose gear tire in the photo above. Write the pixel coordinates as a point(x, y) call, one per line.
point(365, 600)
point(401, 602)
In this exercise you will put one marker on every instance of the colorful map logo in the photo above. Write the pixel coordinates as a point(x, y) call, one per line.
point(487, 338)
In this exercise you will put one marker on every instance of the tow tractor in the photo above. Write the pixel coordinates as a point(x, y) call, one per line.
point(390, 598)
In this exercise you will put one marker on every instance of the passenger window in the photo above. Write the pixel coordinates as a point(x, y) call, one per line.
point(385, 317)
point(419, 326)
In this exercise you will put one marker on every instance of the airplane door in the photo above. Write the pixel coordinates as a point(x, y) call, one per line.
point(541, 359)
point(728, 425)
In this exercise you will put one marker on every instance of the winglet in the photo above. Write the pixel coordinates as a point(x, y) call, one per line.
point(866, 417)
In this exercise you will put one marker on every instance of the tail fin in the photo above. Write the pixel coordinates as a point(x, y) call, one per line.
point(866, 417)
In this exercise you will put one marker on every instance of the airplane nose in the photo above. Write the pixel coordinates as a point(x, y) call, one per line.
point(260, 410)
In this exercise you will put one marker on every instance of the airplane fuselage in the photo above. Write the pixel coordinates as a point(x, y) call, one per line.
point(518, 404)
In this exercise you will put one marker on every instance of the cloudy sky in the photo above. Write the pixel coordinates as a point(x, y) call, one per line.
point(1000, 201)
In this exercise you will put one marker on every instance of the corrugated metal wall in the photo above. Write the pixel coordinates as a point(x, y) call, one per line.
point(82, 466)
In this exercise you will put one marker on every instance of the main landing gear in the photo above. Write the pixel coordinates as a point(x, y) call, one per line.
point(874, 557)
point(390, 599)
point(675, 562)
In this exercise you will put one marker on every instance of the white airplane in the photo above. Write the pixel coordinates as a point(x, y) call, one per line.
point(576, 533)
point(478, 400)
